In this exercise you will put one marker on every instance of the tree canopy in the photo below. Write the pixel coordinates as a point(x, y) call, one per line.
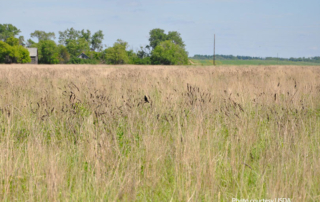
point(13, 52)
point(117, 54)
point(95, 41)
point(77, 46)
point(48, 52)
point(12, 41)
point(158, 35)
point(85, 35)
point(175, 37)
point(168, 53)
point(168, 49)
point(164, 48)
point(42, 36)
point(68, 35)
point(7, 31)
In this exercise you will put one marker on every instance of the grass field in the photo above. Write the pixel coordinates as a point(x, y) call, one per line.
point(156, 133)
point(252, 62)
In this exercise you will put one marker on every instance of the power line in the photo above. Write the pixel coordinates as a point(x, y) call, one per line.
point(214, 49)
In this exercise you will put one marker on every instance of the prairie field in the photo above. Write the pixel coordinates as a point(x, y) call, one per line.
point(159, 133)
point(198, 62)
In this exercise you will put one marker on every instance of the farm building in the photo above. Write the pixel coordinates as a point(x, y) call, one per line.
point(33, 55)
point(83, 56)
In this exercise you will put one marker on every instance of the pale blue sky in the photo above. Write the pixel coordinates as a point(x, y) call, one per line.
point(262, 28)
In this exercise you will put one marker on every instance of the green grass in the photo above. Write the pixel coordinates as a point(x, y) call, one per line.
point(252, 62)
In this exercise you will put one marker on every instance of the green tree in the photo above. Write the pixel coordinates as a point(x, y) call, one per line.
point(117, 54)
point(168, 53)
point(86, 35)
point(22, 54)
point(64, 55)
point(21, 40)
point(143, 52)
point(68, 36)
point(71, 35)
point(175, 37)
point(13, 54)
point(7, 31)
point(77, 46)
point(156, 37)
point(94, 55)
point(41, 35)
point(5, 50)
point(30, 43)
point(96, 42)
point(12, 41)
point(48, 52)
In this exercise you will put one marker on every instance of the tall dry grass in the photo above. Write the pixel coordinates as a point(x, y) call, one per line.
point(143, 133)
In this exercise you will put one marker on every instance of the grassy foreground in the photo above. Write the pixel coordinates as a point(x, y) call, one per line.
point(130, 133)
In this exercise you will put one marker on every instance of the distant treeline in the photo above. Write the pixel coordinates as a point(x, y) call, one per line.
point(232, 57)
point(164, 48)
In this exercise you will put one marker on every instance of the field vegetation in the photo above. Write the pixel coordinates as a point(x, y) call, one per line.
point(254, 62)
point(142, 133)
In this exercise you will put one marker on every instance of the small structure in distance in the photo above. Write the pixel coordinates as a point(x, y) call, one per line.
point(83, 56)
point(33, 55)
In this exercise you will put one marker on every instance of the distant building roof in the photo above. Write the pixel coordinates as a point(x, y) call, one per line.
point(83, 56)
point(33, 52)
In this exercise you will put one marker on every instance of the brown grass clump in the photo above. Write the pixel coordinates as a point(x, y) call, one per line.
point(156, 133)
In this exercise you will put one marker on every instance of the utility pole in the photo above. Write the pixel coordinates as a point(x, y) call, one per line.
point(214, 49)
